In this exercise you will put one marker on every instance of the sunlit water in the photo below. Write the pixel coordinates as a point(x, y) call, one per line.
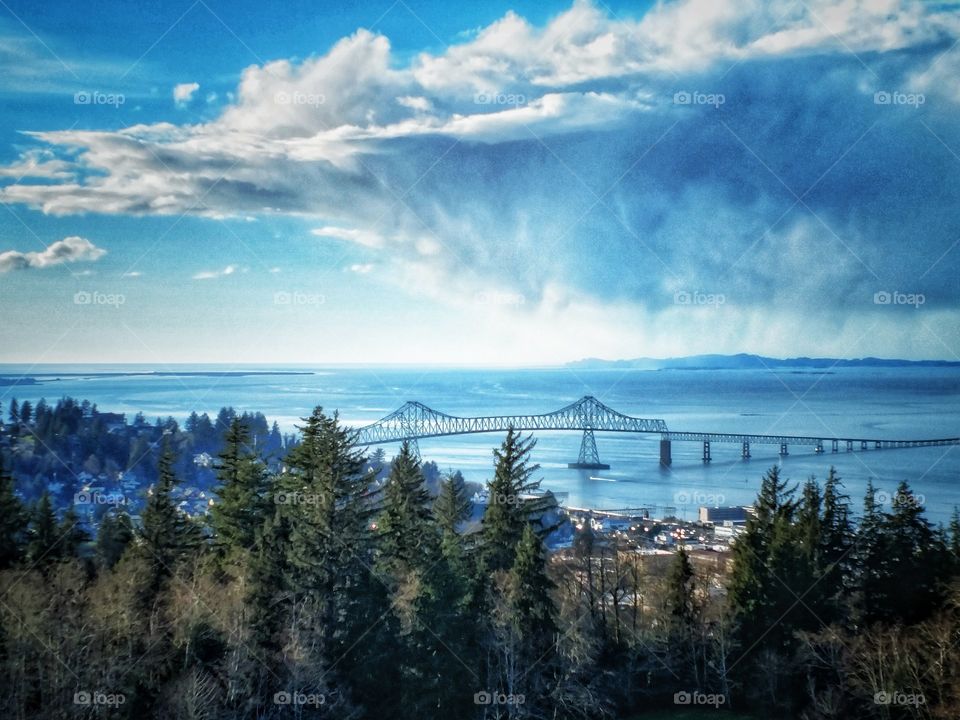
point(857, 402)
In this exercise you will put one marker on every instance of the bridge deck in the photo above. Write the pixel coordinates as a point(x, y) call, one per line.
point(415, 420)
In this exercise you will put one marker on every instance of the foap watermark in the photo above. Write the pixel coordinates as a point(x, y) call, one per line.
point(95, 297)
point(495, 697)
point(96, 97)
point(499, 98)
point(695, 497)
point(884, 297)
point(98, 697)
point(895, 697)
point(499, 299)
point(695, 697)
point(896, 97)
point(284, 297)
point(296, 697)
point(708, 299)
point(898, 499)
point(685, 97)
point(297, 97)
point(94, 497)
point(295, 498)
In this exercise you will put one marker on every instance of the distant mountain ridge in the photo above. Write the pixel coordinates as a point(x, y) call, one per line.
point(746, 361)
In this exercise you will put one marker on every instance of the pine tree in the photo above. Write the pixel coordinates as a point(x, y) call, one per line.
point(72, 533)
point(408, 560)
point(326, 500)
point(508, 510)
point(44, 547)
point(872, 560)
point(14, 411)
point(760, 558)
point(241, 505)
point(835, 555)
point(167, 536)
point(914, 561)
point(532, 618)
point(113, 538)
point(682, 611)
point(13, 522)
point(26, 411)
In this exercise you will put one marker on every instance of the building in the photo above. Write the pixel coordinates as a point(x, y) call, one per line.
point(721, 515)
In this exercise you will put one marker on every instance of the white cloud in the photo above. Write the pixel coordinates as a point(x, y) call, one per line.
point(361, 268)
point(361, 237)
point(69, 250)
point(132, 274)
point(214, 274)
point(183, 92)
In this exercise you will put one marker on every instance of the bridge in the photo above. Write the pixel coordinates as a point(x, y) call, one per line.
point(413, 421)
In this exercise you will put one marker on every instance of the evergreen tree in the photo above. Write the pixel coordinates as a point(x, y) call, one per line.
point(14, 411)
point(167, 536)
point(13, 521)
point(44, 547)
point(326, 500)
point(452, 504)
point(836, 546)
point(26, 411)
point(241, 506)
point(915, 560)
point(113, 538)
point(508, 511)
point(72, 533)
point(682, 611)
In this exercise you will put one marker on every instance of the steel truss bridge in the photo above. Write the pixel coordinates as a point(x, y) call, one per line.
point(414, 420)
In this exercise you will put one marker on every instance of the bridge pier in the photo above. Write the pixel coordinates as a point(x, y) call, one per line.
point(819, 449)
point(589, 458)
point(783, 450)
point(835, 447)
point(863, 444)
point(849, 445)
point(665, 458)
point(745, 451)
point(706, 451)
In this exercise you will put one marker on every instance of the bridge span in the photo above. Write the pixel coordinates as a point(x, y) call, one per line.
point(413, 421)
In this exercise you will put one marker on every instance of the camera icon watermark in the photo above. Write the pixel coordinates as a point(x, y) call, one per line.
point(86, 497)
point(298, 298)
point(495, 697)
point(883, 297)
point(685, 97)
point(89, 698)
point(86, 297)
point(895, 97)
point(706, 299)
point(499, 98)
point(296, 697)
point(897, 499)
point(95, 97)
point(685, 697)
point(295, 498)
point(695, 497)
point(895, 697)
point(297, 97)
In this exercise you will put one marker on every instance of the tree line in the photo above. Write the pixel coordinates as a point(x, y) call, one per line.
point(315, 590)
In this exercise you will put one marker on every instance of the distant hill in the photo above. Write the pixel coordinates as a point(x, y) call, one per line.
point(744, 361)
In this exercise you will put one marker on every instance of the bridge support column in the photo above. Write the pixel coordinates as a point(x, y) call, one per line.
point(589, 458)
point(783, 450)
point(863, 444)
point(706, 451)
point(665, 458)
point(745, 451)
point(819, 449)
point(849, 445)
point(836, 444)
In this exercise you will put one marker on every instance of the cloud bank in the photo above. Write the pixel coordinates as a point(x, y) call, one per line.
point(775, 153)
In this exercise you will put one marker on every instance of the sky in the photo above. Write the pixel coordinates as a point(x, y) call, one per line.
point(507, 183)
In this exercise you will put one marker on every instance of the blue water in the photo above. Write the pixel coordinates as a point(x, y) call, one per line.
point(898, 403)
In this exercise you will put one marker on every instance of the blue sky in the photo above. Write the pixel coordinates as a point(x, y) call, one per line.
point(499, 183)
